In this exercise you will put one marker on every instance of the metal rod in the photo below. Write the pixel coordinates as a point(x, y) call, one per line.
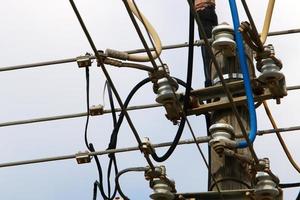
point(287, 129)
point(83, 114)
point(203, 139)
point(121, 150)
point(284, 32)
point(167, 47)
point(71, 116)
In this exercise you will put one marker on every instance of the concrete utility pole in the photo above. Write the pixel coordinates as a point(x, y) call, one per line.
point(229, 172)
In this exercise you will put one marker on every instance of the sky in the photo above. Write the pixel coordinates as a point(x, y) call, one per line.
point(35, 31)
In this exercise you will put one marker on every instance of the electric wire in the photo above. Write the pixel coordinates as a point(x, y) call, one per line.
point(267, 110)
point(140, 34)
point(87, 77)
point(227, 91)
point(112, 159)
point(183, 120)
point(246, 78)
point(133, 169)
point(150, 30)
point(289, 185)
point(187, 94)
point(205, 161)
point(100, 60)
point(203, 139)
point(90, 146)
point(281, 140)
point(267, 21)
point(166, 47)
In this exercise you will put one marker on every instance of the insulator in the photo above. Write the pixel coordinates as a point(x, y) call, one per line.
point(223, 36)
point(265, 188)
point(222, 135)
point(270, 71)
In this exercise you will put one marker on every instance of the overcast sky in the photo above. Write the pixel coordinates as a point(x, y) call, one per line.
point(34, 31)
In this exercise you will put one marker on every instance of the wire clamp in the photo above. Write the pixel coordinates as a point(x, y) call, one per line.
point(83, 157)
point(146, 146)
point(84, 61)
point(96, 110)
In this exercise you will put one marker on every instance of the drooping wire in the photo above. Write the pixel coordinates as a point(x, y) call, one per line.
point(247, 83)
point(181, 126)
point(112, 159)
point(267, 110)
point(133, 169)
point(87, 77)
point(108, 78)
point(281, 140)
point(182, 122)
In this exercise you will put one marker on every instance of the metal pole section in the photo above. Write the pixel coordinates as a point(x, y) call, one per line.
point(230, 172)
point(71, 116)
point(167, 47)
point(203, 139)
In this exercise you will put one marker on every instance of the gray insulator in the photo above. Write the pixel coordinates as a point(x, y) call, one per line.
point(265, 188)
point(222, 135)
point(223, 36)
point(162, 191)
point(165, 91)
point(269, 71)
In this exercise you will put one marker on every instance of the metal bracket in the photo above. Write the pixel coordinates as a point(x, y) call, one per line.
point(96, 110)
point(84, 61)
point(146, 146)
point(83, 157)
point(261, 92)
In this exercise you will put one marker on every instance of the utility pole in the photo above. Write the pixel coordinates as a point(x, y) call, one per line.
point(229, 172)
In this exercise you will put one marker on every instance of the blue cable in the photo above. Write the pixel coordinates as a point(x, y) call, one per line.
point(244, 68)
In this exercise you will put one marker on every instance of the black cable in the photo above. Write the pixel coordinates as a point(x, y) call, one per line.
point(187, 95)
point(108, 78)
point(134, 169)
point(257, 39)
point(288, 185)
point(112, 160)
point(87, 77)
point(114, 135)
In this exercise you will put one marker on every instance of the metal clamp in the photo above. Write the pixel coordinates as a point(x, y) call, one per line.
point(83, 157)
point(84, 61)
point(228, 76)
point(146, 146)
point(158, 172)
point(161, 72)
point(96, 110)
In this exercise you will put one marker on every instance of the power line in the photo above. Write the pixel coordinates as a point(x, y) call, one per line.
point(83, 114)
point(203, 139)
point(166, 47)
point(75, 115)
